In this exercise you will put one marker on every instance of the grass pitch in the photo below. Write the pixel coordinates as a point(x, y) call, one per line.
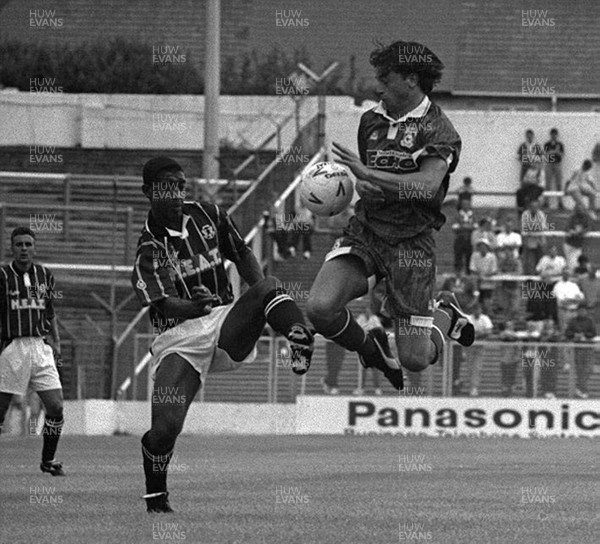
point(307, 489)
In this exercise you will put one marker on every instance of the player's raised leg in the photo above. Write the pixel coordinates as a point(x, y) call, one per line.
point(341, 279)
point(175, 386)
point(53, 424)
point(5, 399)
point(266, 302)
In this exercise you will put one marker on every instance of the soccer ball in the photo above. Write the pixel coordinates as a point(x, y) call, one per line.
point(326, 189)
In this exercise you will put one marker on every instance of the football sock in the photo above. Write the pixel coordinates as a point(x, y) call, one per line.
point(155, 468)
point(51, 433)
point(438, 341)
point(346, 332)
point(281, 312)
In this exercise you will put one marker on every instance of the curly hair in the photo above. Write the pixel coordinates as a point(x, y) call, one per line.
point(408, 58)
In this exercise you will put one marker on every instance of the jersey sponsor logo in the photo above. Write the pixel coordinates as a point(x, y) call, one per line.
point(391, 159)
point(201, 262)
point(208, 232)
point(28, 304)
point(374, 135)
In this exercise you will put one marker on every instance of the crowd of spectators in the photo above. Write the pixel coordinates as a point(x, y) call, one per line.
point(547, 292)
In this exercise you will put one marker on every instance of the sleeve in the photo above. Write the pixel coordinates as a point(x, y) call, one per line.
point(362, 141)
point(443, 142)
point(231, 242)
point(151, 283)
point(50, 294)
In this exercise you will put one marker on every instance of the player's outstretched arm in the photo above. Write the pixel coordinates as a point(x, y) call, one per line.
point(249, 268)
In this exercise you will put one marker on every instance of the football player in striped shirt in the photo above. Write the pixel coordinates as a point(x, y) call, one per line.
point(27, 318)
point(407, 150)
point(179, 272)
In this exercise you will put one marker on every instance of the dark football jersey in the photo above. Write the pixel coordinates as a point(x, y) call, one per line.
point(399, 146)
point(26, 307)
point(168, 265)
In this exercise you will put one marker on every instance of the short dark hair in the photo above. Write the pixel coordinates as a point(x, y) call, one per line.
point(467, 180)
point(587, 165)
point(529, 131)
point(19, 231)
point(553, 131)
point(426, 65)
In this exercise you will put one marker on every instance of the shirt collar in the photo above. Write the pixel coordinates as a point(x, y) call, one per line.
point(152, 227)
point(419, 111)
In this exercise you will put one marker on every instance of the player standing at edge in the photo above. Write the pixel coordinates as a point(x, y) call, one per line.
point(407, 150)
point(27, 317)
point(179, 272)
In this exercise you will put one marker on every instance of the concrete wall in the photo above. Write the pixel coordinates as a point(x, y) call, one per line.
point(490, 138)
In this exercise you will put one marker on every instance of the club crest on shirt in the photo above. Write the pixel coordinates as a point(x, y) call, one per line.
point(374, 135)
point(410, 134)
point(208, 232)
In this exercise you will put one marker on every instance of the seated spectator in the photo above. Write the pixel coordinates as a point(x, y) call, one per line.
point(577, 226)
point(466, 191)
point(581, 328)
point(484, 232)
point(463, 229)
point(508, 238)
point(483, 328)
point(581, 184)
point(551, 265)
point(483, 265)
point(568, 298)
point(533, 222)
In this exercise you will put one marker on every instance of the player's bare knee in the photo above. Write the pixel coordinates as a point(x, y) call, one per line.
point(412, 361)
point(319, 311)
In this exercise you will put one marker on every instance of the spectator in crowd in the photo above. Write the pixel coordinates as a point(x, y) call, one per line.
point(278, 230)
point(483, 265)
point(596, 162)
point(568, 298)
point(484, 232)
point(529, 154)
point(533, 222)
point(551, 265)
point(581, 184)
point(581, 328)
point(548, 359)
point(508, 238)
point(577, 227)
point(483, 328)
point(590, 287)
point(465, 192)
point(541, 303)
point(508, 364)
point(334, 357)
point(509, 289)
point(554, 151)
point(463, 229)
point(303, 228)
point(370, 322)
point(583, 267)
